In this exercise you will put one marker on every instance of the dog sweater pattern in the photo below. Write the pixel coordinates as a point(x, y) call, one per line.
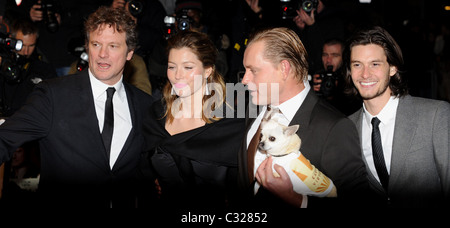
point(305, 177)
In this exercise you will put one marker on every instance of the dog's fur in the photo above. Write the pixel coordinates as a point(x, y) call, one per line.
point(278, 141)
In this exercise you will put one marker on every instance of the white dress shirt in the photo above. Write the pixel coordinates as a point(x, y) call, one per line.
point(288, 110)
point(387, 125)
point(122, 117)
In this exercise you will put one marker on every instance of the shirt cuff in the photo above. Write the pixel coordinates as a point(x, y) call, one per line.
point(304, 201)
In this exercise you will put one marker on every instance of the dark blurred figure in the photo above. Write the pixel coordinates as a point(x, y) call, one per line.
point(149, 16)
point(31, 65)
point(442, 52)
point(60, 22)
point(248, 16)
point(328, 82)
point(22, 178)
point(322, 23)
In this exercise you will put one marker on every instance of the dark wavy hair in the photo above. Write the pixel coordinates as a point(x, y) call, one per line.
point(378, 36)
point(117, 18)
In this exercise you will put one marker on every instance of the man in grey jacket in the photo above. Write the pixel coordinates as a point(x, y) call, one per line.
point(407, 150)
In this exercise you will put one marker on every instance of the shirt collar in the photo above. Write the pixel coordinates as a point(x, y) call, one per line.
point(99, 88)
point(289, 108)
point(386, 114)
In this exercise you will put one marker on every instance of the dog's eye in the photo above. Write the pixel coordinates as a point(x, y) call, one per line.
point(271, 138)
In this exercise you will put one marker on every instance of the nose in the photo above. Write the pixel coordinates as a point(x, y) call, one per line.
point(103, 52)
point(365, 72)
point(247, 78)
point(178, 74)
point(26, 51)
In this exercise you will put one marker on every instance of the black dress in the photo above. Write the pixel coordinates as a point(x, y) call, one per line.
point(196, 169)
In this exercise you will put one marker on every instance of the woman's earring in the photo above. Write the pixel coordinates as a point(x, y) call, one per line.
point(207, 91)
point(172, 92)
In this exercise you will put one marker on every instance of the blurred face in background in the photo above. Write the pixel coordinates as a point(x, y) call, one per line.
point(29, 43)
point(332, 56)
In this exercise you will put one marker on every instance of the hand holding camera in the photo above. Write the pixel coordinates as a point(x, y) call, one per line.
point(46, 11)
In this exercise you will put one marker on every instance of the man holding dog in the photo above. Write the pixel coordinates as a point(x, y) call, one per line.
point(276, 75)
point(411, 168)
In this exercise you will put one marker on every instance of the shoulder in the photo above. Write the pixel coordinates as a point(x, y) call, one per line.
point(355, 116)
point(419, 105)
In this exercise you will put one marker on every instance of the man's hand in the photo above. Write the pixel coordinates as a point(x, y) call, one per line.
point(36, 12)
point(306, 18)
point(317, 82)
point(280, 186)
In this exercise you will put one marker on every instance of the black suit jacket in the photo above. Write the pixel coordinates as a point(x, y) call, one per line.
point(330, 141)
point(74, 166)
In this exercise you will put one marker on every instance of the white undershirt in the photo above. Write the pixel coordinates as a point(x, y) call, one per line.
point(387, 125)
point(288, 109)
point(122, 117)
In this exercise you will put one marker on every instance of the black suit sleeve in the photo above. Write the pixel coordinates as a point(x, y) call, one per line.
point(31, 122)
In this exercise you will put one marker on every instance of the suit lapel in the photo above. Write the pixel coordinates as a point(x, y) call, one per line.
point(404, 131)
point(83, 88)
point(303, 115)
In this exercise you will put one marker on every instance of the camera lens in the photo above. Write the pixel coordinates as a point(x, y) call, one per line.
point(307, 6)
point(135, 8)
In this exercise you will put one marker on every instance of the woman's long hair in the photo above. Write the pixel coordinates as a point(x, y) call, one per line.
point(204, 49)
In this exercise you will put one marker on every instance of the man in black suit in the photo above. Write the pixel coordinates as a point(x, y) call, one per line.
point(66, 115)
point(276, 75)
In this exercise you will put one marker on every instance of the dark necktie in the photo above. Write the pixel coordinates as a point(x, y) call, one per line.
point(108, 125)
point(378, 157)
point(253, 146)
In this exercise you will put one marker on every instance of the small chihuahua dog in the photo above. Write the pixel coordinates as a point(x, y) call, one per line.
point(283, 144)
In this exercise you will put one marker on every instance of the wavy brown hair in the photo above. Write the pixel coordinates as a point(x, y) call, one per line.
point(206, 52)
point(117, 18)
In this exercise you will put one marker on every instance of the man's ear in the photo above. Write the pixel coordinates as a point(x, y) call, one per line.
point(130, 55)
point(392, 70)
point(285, 68)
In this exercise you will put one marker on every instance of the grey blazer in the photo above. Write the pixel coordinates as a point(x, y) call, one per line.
point(420, 169)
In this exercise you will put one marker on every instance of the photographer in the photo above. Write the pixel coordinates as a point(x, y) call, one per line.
point(328, 81)
point(59, 22)
point(318, 21)
point(149, 16)
point(31, 67)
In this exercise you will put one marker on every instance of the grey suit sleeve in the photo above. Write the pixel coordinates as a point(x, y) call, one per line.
point(441, 145)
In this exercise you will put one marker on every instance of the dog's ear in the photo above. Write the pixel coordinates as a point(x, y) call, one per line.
point(291, 130)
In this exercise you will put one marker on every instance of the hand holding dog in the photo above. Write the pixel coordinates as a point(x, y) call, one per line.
point(280, 186)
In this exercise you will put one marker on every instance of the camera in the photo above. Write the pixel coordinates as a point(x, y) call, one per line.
point(48, 9)
point(10, 69)
point(169, 30)
point(184, 21)
point(77, 49)
point(288, 9)
point(309, 5)
point(135, 7)
point(328, 85)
